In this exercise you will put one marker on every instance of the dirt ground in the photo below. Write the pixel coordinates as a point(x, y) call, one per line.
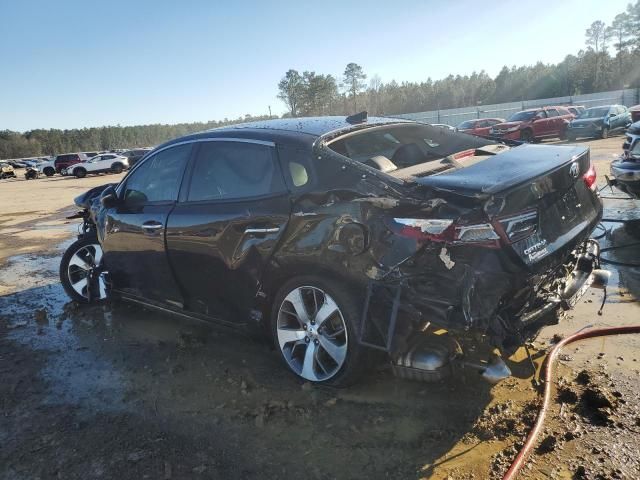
point(118, 392)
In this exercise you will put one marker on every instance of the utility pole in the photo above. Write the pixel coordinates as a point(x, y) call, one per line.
point(269, 112)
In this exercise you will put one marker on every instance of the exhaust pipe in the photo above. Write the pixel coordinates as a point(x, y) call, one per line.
point(493, 372)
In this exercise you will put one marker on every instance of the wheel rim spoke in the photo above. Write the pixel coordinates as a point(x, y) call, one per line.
point(336, 352)
point(328, 308)
point(308, 371)
point(80, 285)
point(288, 335)
point(297, 302)
point(79, 262)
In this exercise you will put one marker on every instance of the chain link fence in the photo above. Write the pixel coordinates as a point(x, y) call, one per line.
point(455, 116)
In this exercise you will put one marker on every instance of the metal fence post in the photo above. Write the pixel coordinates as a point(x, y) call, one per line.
point(438, 116)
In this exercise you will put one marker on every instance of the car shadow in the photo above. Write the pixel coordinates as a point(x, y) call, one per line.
point(184, 377)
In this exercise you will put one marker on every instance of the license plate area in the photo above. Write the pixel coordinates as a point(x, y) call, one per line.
point(569, 205)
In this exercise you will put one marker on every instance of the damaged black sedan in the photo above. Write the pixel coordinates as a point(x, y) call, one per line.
point(340, 236)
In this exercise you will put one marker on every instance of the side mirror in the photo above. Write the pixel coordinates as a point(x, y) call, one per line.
point(109, 197)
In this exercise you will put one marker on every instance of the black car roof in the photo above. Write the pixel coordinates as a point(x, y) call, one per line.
point(302, 131)
point(316, 126)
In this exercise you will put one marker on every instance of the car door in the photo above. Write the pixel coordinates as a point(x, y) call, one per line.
point(226, 226)
point(540, 124)
point(134, 230)
point(554, 122)
point(621, 116)
point(104, 162)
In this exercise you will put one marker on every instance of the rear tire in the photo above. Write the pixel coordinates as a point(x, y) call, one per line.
point(117, 168)
point(80, 172)
point(317, 338)
point(49, 171)
point(81, 262)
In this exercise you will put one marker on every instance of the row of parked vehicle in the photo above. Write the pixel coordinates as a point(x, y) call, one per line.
point(625, 171)
point(78, 164)
point(84, 163)
point(569, 122)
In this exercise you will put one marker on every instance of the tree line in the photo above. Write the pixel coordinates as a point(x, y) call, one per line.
point(53, 141)
point(609, 61)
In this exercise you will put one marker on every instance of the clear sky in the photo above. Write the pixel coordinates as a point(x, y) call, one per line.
point(83, 63)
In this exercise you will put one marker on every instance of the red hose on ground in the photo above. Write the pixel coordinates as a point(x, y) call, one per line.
point(518, 463)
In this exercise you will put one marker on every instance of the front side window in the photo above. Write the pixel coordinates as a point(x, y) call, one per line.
point(552, 112)
point(232, 170)
point(522, 116)
point(158, 178)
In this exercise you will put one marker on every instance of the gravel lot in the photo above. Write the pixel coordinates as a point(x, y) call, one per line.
point(118, 392)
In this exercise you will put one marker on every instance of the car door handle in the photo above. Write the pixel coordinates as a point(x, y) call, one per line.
point(152, 225)
point(251, 230)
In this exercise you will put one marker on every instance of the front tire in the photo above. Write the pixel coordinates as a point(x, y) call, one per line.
point(81, 271)
point(526, 136)
point(314, 329)
point(604, 133)
point(49, 171)
point(80, 172)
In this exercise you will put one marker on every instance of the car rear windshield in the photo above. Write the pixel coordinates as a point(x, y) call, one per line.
point(522, 116)
point(597, 112)
point(404, 145)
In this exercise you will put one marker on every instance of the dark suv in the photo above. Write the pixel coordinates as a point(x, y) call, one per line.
point(135, 154)
point(336, 235)
point(66, 160)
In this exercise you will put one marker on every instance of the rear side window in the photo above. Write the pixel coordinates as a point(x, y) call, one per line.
point(233, 170)
point(158, 178)
point(404, 145)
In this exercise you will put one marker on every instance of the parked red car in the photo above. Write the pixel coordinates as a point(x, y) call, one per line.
point(534, 124)
point(635, 113)
point(62, 162)
point(480, 126)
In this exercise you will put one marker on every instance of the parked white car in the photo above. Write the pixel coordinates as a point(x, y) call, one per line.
point(48, 168)
point(103, 163)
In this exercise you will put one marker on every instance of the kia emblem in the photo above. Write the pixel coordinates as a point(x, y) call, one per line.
point(574, 170)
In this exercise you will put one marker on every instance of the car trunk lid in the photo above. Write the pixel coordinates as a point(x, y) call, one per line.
point(535, 196)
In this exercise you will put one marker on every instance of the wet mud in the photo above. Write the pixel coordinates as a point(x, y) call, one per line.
point(114, 391)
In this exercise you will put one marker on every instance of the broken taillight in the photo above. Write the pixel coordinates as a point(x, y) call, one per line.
point(447, 231)
point(590, 177)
